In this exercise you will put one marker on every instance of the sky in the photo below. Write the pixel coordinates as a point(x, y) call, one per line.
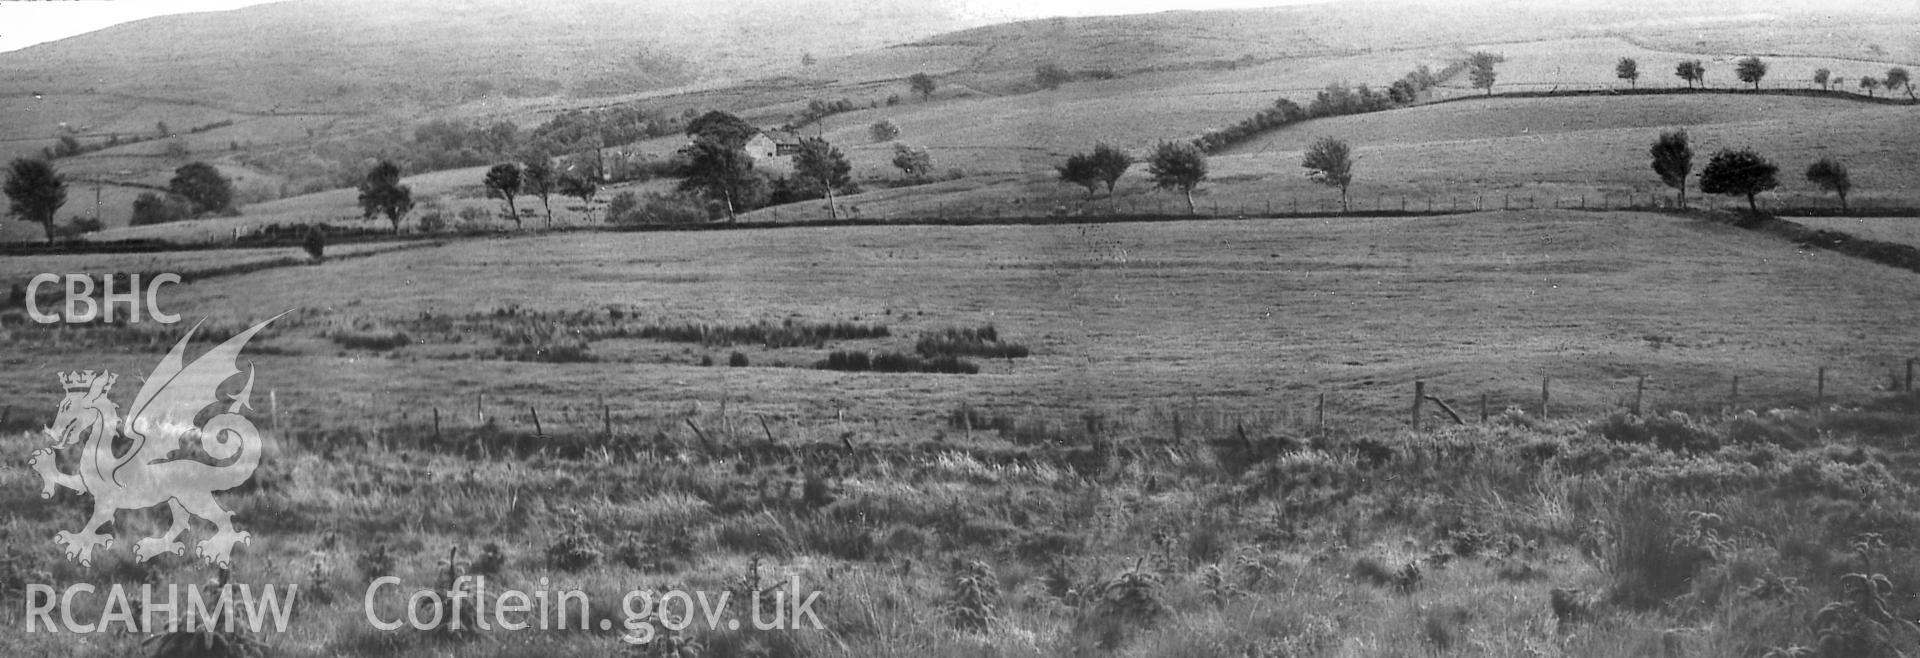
point(24, 23)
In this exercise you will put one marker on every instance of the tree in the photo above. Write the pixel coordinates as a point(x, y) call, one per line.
point(913, 160)
point(730, 130)
point(1480, 70)
point(315, 242)
point(503, 180)
point(1691, 71)
point(1329, 162)
point(1628, 70)
point(1673, 161)
point(578, 187)
point(883, 131)
point(1051, 76)
point(1177, 166)
point(537, 179)
point(1735, 173)
point(1832, 177)
point(1750, 70)
point(1820, 77)
point(151, 208)
point(718, 170)
point(35, 191)
point(1897, 77)
point(922, 84)
point(1869, 83)
point(382, 194)
point(1111, 163)
point(203, 186)
point(821, 168)
point(1080, 170)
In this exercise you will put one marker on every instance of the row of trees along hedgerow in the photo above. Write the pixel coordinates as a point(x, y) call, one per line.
point(1181, 166)
point(1751, 70)
point(36, 191)
point(1740, 172)
point(1339, 99)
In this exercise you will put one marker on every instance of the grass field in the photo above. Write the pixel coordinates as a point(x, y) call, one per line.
point(1174, 368)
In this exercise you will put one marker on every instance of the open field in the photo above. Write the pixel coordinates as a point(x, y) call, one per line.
point(1252, 314)
point(1160, 436)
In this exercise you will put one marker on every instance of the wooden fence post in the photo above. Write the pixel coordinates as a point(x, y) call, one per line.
point(1483, 408)
point(1545, 395)
point(1320, 416)
point(1909, 387)
point(1639, 392)
point(1419, 396)
point(1820, 388)
point(606, 418)
point(436, 424)
point(537, 431)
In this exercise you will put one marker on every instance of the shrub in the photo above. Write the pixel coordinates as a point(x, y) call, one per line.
point(981, 342)
point(849, 361)
point(737, 360)
point(575, 549)
point(656, 208)
point(972, 595)
point(152, 208)
point(370, 340)
point(1128, 602)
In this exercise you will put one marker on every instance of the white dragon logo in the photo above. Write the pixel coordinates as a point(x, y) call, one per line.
point(143, 463)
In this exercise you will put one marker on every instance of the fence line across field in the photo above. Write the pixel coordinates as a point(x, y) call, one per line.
point(530, 430)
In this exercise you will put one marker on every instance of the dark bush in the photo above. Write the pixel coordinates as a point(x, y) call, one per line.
point(737, 360)
point(981, 342)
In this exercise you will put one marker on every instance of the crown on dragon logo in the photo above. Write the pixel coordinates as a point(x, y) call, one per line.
point(83, 380)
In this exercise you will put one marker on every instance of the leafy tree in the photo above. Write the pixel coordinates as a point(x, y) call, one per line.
point(1673, 161)
point(203, 186)
point(1750, 70)
point(578, 187)
point(1832, 177)
point(883, 131)
point(1111, 163)
point(1329, 162)
point(35, 191)
point(913, 160)
point(1177, 166)
point(1628, 70)
point(1080, 170)
point(537, 179)
point(730, 130)
point(720, 170)
point(1821, 76)
point(821, 168)
point(922, 84)
point(1735, 173)
point(1691, 71)
point(1480, 70)
point(1051, 76)
point(1897, 77)
point(1869, 83)
point(382, 194)
point(315, 243)
point(503, 180)
point(151, 208)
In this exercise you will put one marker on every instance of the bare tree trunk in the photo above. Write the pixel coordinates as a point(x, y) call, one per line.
point(833, 211)
point(1189, 191)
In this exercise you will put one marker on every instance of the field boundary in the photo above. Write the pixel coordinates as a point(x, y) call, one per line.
point(1426, 207)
